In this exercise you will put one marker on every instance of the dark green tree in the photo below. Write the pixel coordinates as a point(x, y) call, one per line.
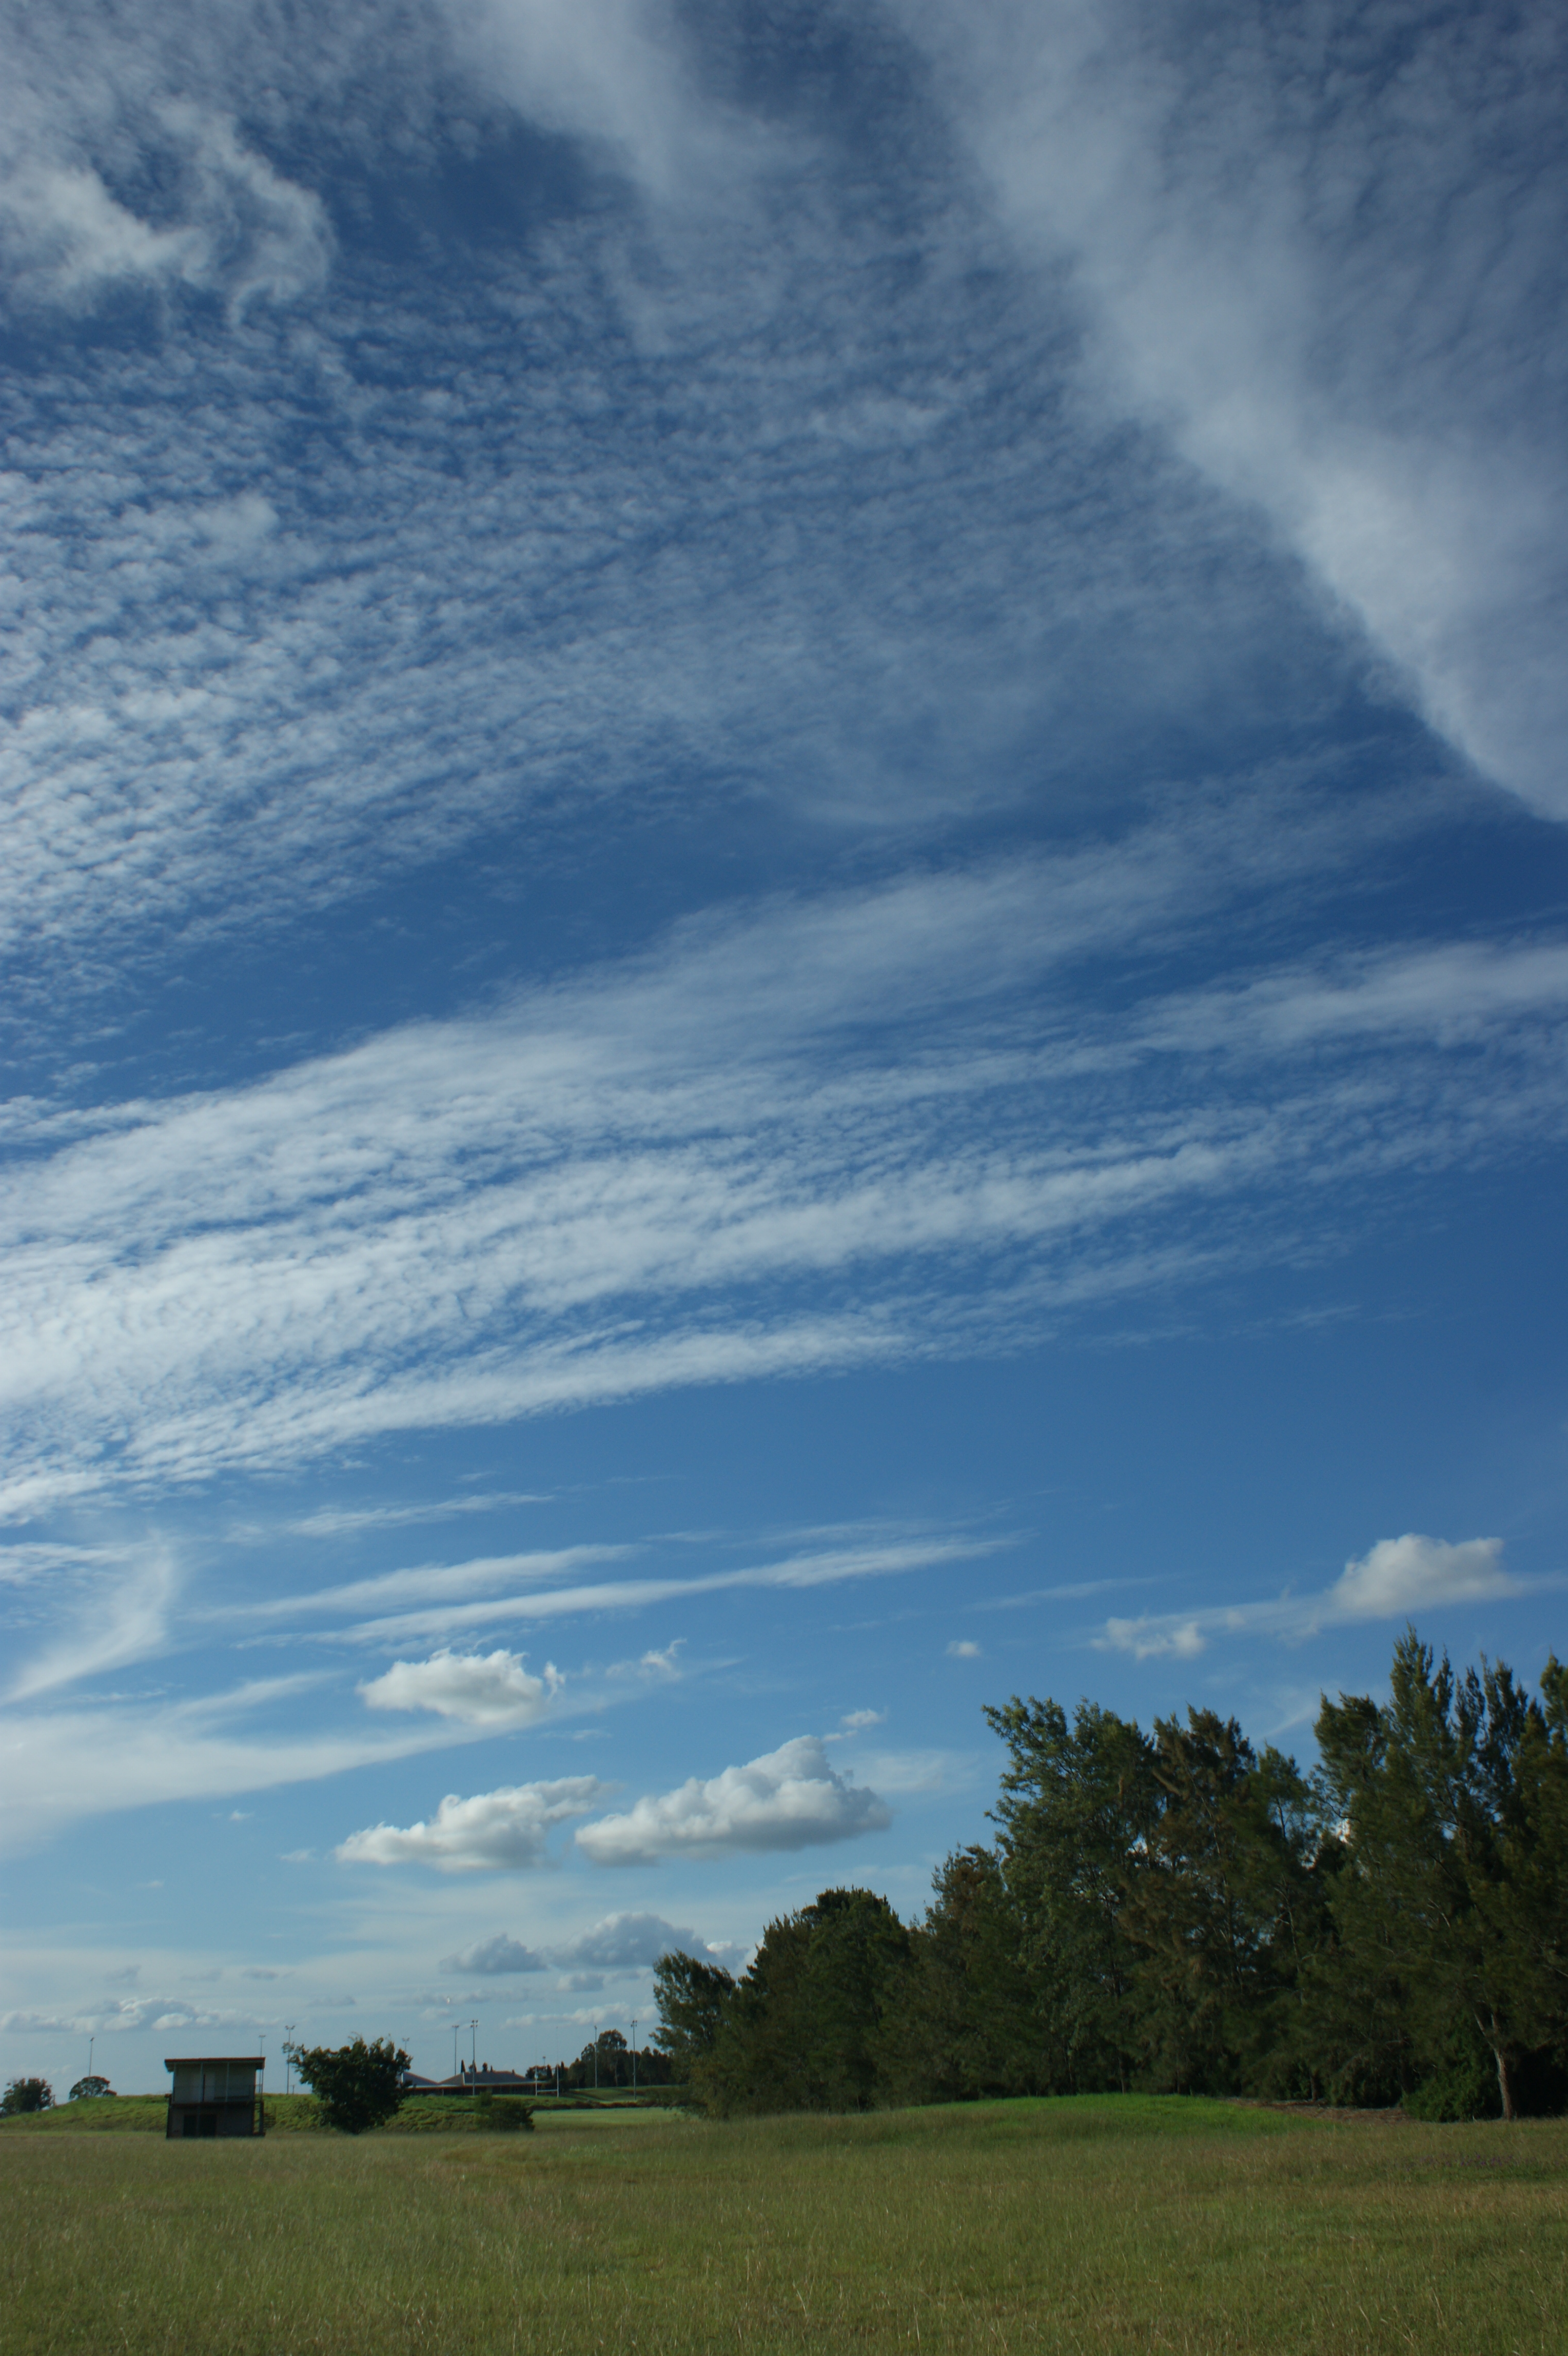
point(25, 2094)
point(968, 2023)
point(357, 2085)
point(1216, 1898)
point(691, 1997)
point(89, 2089)
point(1079, 1802)
point(1450, 1900)
point(807, 2026)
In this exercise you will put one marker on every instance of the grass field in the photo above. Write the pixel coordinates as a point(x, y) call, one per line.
point(1101, 2223)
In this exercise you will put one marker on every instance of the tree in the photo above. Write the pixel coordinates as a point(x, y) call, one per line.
point(357, 2085)
point(87, 2089)
point(969, 2023)
point(27, 2095)
point(1453, 1803)
point(692, 1999)
point(1078, 1805)
point(1214, 1904)
point(807, 2027)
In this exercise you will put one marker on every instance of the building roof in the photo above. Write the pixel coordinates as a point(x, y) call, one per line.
point(217, 2062)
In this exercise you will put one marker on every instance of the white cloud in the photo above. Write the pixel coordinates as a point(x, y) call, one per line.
point(479, 1689)
point(1148, 1638)
point(496, 1832)
point(499, 1954)
point(1394, 1578)
point(1298, 258)
point(660, 1175)
point(964, 1648)
point(125, 1619)
point(791, 1798)
point(623, 1943)
point(248, 231)
point(856, 1721)
point(1416, 1574)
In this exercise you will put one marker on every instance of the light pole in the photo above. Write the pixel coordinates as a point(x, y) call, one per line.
point(455, 2027)
point(596, 2057)
point(288, 2057)
point(473, 2056)
point(89, 2045)
point(634, 2052)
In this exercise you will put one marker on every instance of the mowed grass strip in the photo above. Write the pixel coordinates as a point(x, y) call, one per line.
point(1099, 2224)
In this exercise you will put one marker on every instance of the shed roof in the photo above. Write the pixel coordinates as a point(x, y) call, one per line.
point(217, 2062)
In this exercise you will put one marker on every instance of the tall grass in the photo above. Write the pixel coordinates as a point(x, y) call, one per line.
point(1103, 2224)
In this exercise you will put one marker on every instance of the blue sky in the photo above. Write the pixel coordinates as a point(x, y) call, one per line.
point(786, 944)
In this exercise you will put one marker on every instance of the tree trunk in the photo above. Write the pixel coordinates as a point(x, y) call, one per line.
point(1505, 2080)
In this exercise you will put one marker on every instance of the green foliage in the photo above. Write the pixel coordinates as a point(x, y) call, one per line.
point(91, 2090)
point(1184, 1913)
point(25, 2094)
point(356, 2085)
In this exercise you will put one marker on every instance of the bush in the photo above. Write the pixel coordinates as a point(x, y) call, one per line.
point(27, 2095)
point(505, 2115)
point(357, 2085)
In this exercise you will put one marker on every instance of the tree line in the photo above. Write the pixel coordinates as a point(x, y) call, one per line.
point(1182, 1912)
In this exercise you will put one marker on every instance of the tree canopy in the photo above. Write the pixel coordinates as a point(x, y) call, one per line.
point(1182, 1911)
point(357, 2085)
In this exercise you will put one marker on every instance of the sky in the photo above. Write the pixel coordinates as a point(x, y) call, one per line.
point(785, 933)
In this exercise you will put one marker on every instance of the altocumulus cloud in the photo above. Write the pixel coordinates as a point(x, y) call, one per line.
point(790, 1798)
point(478, 1690)
point(494, 1832)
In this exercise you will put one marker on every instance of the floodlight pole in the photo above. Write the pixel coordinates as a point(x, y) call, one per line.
point(634, 2052)
point(474, 2055)
point(454, 2049)
point(596, 2057)
point(288, 2057)
point(90, 2046)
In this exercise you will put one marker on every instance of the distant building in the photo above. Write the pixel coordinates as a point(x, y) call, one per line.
point(482, 2081)
point(217, 2094)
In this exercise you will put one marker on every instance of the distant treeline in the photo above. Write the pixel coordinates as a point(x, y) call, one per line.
point(1182, 1912)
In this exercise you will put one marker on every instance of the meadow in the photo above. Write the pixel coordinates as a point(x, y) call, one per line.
point(1096, 2224)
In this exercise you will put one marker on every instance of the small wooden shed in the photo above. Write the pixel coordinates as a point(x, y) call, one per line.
point(217, 2094)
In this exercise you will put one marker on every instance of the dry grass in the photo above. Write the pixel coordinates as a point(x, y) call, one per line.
point(1100, 2224)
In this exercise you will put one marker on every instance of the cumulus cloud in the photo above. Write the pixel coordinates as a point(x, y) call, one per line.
point(494, 1832)
point(791, 1798)
point(856, 1721)
point(497, 1955)
point(620, 1943)
point(478, 1690)
point(1414, 1574)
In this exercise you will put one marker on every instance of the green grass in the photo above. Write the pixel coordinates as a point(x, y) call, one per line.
point(1103, 2224)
